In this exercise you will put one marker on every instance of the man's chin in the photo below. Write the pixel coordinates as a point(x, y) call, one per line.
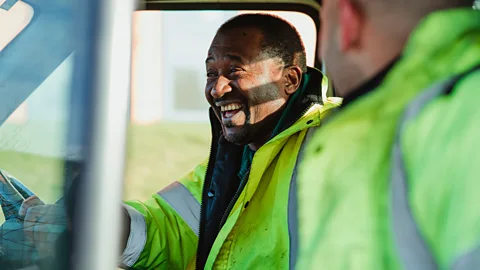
point(238, 138)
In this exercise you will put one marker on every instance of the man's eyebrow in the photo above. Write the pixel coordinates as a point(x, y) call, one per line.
point(235, 58)
point(228, 56)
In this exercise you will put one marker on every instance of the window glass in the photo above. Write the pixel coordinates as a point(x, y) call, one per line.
point(169, 130)
point(33, 138)
point(36, 70)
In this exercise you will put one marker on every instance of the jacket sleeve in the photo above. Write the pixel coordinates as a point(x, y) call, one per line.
point(164, 229)
point(442, 159)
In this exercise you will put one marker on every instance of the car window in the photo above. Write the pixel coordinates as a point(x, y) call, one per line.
point(169, 132)
point(37, 41)
point(33, 138)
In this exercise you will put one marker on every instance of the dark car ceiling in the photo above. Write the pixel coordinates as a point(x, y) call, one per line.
point(226, 4)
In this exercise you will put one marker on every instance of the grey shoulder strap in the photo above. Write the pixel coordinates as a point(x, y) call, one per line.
point(292, 203)
point(411, 247)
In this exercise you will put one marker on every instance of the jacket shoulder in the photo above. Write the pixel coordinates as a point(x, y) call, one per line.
point(440, 149)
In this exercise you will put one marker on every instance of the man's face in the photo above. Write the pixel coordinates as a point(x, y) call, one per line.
point(244, 87)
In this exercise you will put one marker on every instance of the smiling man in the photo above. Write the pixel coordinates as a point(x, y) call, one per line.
point(234, 210)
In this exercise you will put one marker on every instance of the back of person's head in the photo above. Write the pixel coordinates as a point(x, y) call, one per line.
point(280, 38)
point(405, 15)
point(360, 37)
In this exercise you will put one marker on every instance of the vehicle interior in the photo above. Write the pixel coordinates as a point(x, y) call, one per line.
point(60, 109)
point(100, 101)
point(92, 113)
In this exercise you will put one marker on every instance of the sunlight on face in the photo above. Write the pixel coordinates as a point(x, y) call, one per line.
point(16, 18)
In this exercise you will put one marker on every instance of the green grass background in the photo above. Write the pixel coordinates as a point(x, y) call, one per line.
point(156, 155)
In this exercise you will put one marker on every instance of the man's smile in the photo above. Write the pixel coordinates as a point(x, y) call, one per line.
point(229, 109)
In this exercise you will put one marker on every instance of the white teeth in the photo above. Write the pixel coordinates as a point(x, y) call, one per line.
point(230, 107)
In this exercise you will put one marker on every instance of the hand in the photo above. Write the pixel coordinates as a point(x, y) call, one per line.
point(31, 228)
point(16, 249)
point(35, 232)
point(42, 226)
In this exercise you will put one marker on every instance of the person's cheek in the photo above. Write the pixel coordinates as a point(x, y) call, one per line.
point(208, 96)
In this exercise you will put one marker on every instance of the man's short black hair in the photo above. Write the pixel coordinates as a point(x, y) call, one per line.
point(280, 38)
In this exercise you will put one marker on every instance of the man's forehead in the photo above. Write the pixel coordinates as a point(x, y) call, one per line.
point(245, 42)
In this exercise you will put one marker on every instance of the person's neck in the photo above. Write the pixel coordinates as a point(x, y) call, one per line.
point(260, 141)
point(266, 131)
point(368, 73)
point(254, 146)
point(370, 84)
point(378, 50)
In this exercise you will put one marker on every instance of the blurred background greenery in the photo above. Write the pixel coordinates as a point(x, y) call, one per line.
point(157, 154)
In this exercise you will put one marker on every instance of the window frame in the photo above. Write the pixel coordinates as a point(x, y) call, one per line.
point(310, 8)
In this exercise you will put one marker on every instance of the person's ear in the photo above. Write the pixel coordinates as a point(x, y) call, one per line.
point(351, 22)
point(293, 78)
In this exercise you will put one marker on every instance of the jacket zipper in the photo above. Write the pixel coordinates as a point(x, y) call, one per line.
point(234, 199)
point(211, 160)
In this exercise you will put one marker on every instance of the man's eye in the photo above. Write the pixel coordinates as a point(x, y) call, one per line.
point(235, 70)
point(211, 74)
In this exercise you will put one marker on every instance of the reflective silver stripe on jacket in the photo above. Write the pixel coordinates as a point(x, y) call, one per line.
point(137, 238)
point(410, 244)
point(470, 260)
point(184, 203)
point(293, 204)
point(411, 247)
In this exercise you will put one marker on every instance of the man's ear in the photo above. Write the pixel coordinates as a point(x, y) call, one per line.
point(293, 79)
point(350, 21)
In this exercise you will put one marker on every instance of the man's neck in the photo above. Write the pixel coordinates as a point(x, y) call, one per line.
point(254, 146)
point(368, 85)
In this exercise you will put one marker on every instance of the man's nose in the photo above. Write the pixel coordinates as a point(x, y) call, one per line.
point(221, 87)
